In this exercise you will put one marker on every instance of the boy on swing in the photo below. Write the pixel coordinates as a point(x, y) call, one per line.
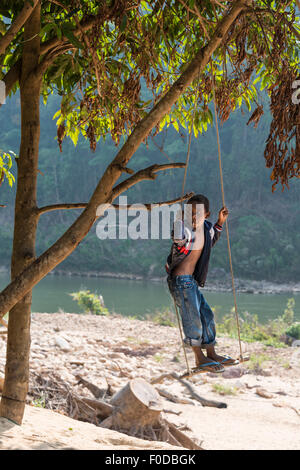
point(187, 267)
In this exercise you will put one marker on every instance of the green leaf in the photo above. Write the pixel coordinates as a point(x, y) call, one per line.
point(72, 38)
point(74, 134)
point(176, 125)
point(123, 23)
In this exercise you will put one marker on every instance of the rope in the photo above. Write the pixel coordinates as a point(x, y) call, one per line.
point(188, 153)
point(181, 337)
point(226, 223)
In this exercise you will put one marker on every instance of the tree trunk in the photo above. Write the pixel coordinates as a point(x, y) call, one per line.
point(137, 411)
point(18, 343)
point(136, 405)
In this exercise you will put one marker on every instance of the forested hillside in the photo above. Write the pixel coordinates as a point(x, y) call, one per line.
point(263, 226)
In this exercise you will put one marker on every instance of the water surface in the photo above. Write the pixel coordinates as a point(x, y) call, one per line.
point(138, 298)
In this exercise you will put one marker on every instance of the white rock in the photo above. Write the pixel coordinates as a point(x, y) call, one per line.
point(62, 343)
point(113, 366)
point(238, 384)
point(66, 337)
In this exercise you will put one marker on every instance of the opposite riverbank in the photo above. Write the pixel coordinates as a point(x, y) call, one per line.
point(214, 284)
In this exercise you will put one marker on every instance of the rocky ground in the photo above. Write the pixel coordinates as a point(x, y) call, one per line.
point(263, 395)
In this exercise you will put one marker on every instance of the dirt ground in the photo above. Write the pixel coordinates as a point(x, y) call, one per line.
point(262, 395)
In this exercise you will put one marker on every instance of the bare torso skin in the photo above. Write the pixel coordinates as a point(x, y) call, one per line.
point(187, 266)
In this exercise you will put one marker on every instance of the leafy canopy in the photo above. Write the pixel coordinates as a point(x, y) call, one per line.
point(111, 61)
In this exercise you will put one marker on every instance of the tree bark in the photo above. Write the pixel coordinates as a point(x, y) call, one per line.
point(17, 25)
point(103, 192)
point(137, 411)
point(136, 405)
point(18, 342)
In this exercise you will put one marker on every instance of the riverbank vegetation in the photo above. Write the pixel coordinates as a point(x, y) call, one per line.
point(278, 332)
point(90, 303)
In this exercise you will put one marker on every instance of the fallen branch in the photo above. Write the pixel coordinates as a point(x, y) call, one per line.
point(182, 438)
point(101, 407)
point(285, 405)
point(196, 396)
point(161, 378)
point(177, 413)
point(96, 391)
point(263, 393)
point(193, 393)
point(174, 398)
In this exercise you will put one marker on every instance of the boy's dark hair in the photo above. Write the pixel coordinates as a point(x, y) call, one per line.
point(200, 199)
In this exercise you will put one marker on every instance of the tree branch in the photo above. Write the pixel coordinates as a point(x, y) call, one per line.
point(51, 56)
point(83, 26)
point(149, 206)
point(145, 174)
point(67, 243)
point(143, 206)
point(12, 76)
point(17, 25)
point(63, 206)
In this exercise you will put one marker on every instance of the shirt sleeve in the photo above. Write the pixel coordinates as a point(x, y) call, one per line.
point(180, 233)
point(217, 233)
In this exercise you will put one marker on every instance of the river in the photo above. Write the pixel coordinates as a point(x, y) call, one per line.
point(138, 298)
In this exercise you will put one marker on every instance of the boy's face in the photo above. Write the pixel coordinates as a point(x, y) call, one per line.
point(196, 214)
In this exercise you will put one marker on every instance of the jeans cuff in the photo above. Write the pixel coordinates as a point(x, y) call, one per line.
point(192, 342)
point(198, 342)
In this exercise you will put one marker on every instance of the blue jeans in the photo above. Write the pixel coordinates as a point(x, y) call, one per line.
point(197, 317)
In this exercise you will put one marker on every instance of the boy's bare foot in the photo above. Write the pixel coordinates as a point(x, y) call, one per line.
point(206, 363)
point(224, 360)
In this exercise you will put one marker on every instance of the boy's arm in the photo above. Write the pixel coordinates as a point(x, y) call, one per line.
point(223, 214)
point(217, 233)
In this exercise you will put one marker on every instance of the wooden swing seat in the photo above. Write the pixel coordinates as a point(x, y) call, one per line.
point(195, 371)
